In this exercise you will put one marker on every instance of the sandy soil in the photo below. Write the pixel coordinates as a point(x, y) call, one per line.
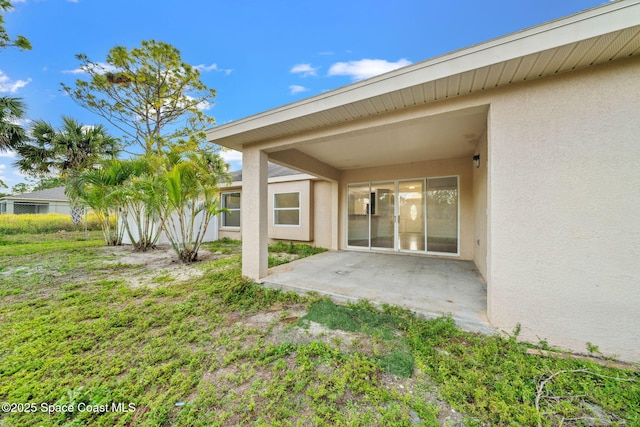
point(160, 265)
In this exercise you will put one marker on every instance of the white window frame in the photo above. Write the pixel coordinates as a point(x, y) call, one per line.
point(459, 243)
point(223, 203)
point(298, 209)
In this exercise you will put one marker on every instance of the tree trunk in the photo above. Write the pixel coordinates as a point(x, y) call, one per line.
point(77, 213)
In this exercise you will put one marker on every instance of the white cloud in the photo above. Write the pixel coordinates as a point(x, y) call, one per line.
point(212, 67)
point(305, 69)
point(7, 85)
point(99, 67)
point(230, 156)
point(202, 105)
point(297, 89)
point(365, 68)
point(8, 154)
point(25, 123)
point(206, 68)
point(233, 158)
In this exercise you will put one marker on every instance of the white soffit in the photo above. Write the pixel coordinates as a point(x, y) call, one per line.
point(596, 36)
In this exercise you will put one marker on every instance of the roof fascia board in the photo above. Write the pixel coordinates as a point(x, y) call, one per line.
point(27, 200)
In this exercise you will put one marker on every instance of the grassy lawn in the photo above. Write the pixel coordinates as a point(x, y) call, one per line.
point(89, 337)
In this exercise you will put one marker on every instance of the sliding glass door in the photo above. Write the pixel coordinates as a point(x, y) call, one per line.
point(382, 215)
point(411, 219)
point(358, 215)
point(418, 215)
point(442, 215)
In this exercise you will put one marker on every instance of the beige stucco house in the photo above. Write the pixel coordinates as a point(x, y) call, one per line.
point(521, 153)
point(51, 200)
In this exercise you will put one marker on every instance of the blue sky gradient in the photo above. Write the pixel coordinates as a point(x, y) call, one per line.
point(257, 55)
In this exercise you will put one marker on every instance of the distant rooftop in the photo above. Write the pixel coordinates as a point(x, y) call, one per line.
point(273, 171)
point(53, 194)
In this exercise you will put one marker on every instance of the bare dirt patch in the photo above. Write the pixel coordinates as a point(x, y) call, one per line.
point(157, 266)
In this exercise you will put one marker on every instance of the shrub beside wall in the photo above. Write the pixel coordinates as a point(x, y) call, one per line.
point(43, 223)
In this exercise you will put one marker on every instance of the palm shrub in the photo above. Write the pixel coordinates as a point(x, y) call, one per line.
point(99, 189)
point(12, 135)
point(65, 152)
point(187, 198)
point(139, 212)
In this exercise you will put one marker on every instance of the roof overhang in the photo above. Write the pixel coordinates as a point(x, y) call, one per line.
point(592, 37)
point(28, 200)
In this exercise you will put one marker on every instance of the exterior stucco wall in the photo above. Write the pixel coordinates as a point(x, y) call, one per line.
point(60, 208)
point(304, 230)
point(325, 214)
point(480, 207)
point(564, 209)
point(435, 168)
point(317, 213)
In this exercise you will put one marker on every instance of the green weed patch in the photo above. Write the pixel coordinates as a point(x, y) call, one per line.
point(282, 253)
point(364, 318)
point(492, 379)
point(220, 350)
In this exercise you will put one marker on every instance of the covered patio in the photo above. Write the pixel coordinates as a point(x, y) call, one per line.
point(427, 286)
point(512, 155)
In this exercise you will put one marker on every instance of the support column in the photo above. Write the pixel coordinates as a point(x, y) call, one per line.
point(335, 216)
point(254, 213)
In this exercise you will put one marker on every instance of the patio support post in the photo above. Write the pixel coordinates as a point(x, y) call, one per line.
point(335, 215)
point(254, 213)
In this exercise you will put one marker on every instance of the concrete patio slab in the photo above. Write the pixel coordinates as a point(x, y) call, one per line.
point(427, 286)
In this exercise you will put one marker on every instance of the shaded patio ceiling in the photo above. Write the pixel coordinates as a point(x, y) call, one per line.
point(443, 136)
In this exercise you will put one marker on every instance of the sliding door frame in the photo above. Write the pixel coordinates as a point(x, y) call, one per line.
point(396, 216)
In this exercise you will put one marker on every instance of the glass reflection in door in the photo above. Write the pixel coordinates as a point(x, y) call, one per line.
point(411, 215)
point(358, 215)
point(382, 215)
point(442, 215)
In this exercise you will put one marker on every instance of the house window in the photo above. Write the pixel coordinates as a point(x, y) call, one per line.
point(231, 202)
point(286, 209)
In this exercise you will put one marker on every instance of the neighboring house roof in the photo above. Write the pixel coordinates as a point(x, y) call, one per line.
point(592, 37)
point(51, 194)
point(273, 171)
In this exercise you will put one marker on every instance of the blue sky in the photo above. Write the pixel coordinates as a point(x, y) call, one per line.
point(258, 55)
